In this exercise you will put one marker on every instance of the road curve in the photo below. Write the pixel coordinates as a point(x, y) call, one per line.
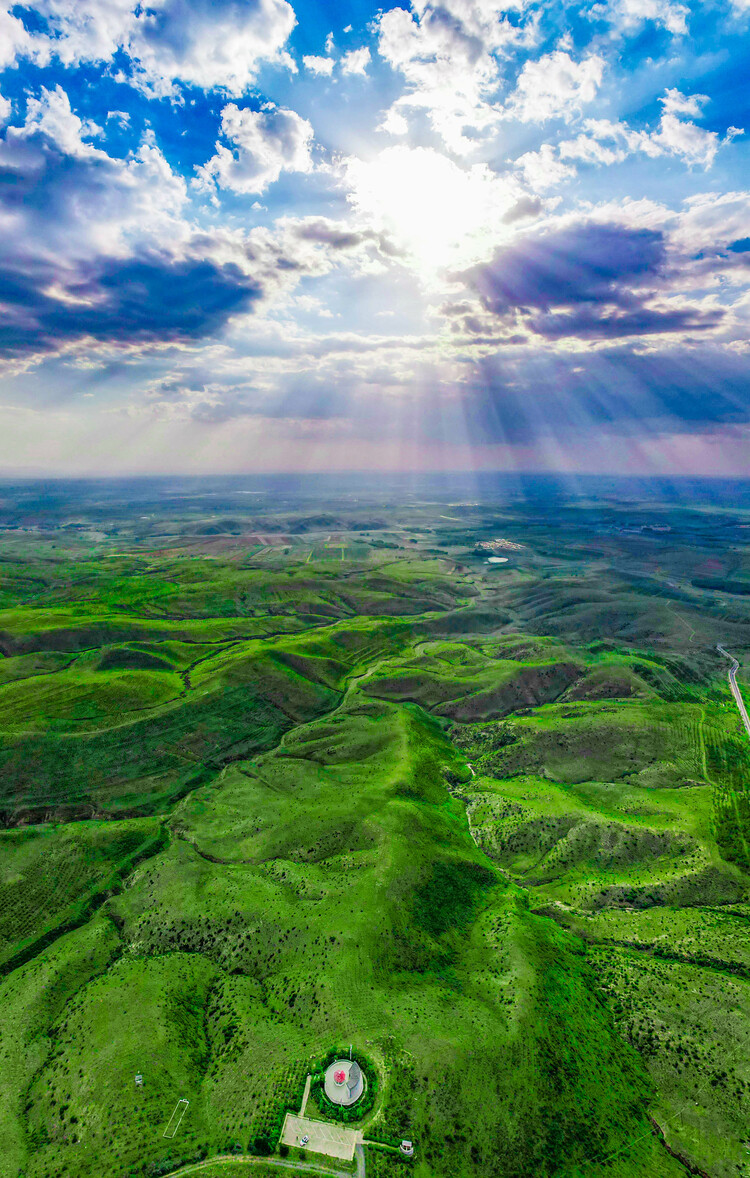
point(735, 689)
point(255, 1160)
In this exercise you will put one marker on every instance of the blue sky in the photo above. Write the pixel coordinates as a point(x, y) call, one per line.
point(240, 235)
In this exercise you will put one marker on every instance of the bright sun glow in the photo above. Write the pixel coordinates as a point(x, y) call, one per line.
point(437, 213)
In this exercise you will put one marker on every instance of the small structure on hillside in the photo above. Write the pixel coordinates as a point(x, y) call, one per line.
point(407, 1149)
point(343, 1082)
point(139, 1081)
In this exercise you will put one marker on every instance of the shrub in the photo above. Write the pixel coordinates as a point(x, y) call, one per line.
point(261, 1144)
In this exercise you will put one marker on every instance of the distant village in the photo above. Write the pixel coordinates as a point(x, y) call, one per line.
point(500, 545)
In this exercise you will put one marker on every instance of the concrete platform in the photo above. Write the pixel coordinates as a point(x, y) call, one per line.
point(334, 1140)
point(343, 1082)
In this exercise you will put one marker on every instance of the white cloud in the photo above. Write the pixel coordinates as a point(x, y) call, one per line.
point(676, 103)
point(14, 40)
point(318, 65)
point(265, 143)
point(629, 14)
point(210, 45)
point(51, 115)
point(356, 61)
point(600, 131)
point(393, 122)
point(713, 220)
point(694, 144)
point(555, 85)
point(83, 30)
point(5, 110)
point(447, 53)
point(542, 169)
point(605, 142)
point(80, 202)
point(168, 41)
point(590, 150)
point(678, 137)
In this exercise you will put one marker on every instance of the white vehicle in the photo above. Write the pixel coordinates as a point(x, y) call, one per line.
point(304, 1140)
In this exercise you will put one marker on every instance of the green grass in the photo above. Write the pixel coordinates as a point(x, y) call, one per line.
point(51, 877)
point(691, 1026)
point(240, 829)
point(32, 1000)
point(93, 1112)
point(82, 700)
point(256, 1168)
point(152, 754)
point(614, 820)
point(326, 931)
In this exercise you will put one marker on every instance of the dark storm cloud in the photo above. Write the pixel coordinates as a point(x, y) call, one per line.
point(527, 206)
point(592, 322)
point(323, 232)
point(140, 300)
point(91, 256)
point(590, 280)
point(578, 264)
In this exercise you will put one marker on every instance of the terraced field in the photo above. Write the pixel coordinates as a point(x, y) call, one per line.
point(488, 825)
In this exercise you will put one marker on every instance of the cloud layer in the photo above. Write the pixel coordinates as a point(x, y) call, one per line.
point(455, 228)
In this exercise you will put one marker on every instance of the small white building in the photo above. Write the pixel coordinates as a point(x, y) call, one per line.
point(407, 1149)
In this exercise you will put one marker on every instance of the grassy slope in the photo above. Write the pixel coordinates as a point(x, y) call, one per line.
point(322, 887)
point(332, 919)
point(51, 877)
point(32, 1001)
point(618, 841)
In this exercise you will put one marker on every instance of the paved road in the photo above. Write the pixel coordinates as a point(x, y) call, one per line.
point(359, 1154)
point(735, 689)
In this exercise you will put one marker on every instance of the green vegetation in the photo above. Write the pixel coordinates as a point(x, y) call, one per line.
point(275, 782)
point(51, 877)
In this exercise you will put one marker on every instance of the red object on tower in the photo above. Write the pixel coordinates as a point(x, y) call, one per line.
point(340, 1076)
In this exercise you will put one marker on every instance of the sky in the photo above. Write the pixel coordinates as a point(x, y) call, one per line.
point(246, 236)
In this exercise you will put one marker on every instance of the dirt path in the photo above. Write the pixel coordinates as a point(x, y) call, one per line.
point(680, 618)
point(254, 1160)
point(305, 1096)
point(684, 1161)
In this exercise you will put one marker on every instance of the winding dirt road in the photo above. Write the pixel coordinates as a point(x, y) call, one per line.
point(254, 1160)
